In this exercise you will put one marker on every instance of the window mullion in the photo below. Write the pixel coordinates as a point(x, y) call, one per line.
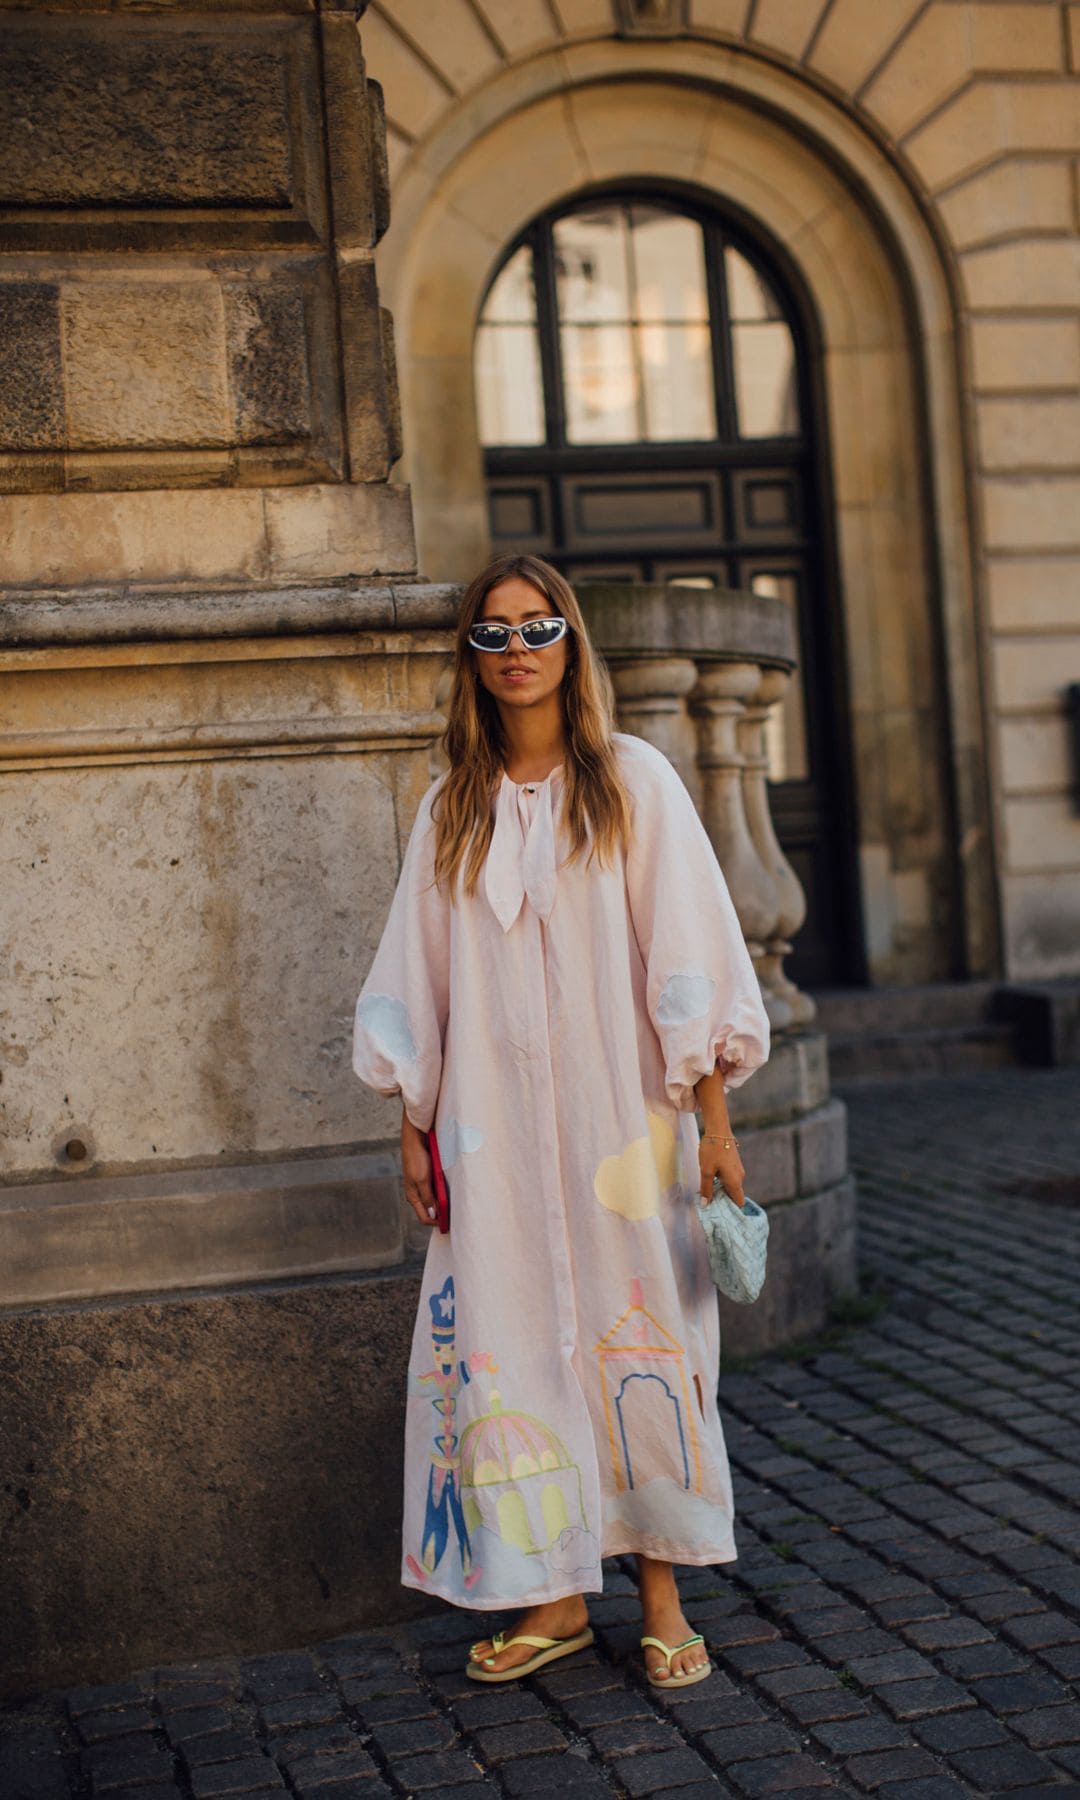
point(547, 320)
point(723, 363)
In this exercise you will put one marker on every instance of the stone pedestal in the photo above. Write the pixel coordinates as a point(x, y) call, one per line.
point(200, 1473)
point(718, 660)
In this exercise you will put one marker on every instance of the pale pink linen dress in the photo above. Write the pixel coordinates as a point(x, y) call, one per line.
point(561, 1401)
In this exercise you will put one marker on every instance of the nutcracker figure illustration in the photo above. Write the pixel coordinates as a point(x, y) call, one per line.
point(447, 1375)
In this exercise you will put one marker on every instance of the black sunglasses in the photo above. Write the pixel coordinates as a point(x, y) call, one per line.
point(535, 634)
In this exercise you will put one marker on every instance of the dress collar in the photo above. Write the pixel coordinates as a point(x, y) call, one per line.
point(521, 861)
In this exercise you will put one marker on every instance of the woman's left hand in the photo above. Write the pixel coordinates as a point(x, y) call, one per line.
point(714, 1160)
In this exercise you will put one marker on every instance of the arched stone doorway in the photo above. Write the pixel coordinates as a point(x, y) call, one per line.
point(885, 364)
point(647, 413)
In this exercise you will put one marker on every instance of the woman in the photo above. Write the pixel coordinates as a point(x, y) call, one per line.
point(561, 982)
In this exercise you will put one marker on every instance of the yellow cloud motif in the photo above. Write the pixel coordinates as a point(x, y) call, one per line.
point(632, 1182)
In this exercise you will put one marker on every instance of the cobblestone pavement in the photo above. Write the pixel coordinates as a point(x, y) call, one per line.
point(904, 1619)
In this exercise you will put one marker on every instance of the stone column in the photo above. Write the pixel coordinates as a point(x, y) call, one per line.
point(718, 703)
point(651, 696)
point(750, 732)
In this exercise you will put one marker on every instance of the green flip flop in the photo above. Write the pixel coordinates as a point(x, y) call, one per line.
point(671, 1679)
point(547, 1650)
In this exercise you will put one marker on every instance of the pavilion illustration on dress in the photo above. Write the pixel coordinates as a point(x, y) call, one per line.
point(650, 1419)
point(517, 1479)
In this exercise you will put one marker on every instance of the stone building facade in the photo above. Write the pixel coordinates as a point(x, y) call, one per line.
point(911, 169)
point(220, 671)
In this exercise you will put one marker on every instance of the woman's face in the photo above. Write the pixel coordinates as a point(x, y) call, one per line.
point(516, 676)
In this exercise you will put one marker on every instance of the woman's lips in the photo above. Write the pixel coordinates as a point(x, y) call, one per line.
point(517, 675)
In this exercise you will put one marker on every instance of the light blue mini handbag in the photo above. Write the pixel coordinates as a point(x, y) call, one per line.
point(738, 1240)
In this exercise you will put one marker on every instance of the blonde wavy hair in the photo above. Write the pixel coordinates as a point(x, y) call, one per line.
point(596, 808)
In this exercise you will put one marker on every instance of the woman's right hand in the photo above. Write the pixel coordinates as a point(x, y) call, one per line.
point(416, 1170)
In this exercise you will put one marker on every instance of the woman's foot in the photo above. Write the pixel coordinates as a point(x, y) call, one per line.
point(555, 1619)
point(663, 1618)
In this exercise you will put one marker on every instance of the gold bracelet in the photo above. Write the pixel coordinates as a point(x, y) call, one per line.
point(716, 1137)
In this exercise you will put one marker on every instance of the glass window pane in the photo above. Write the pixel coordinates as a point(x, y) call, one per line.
point(601, 384)
point(669, 266)
point(592, 265)
point(766, 397)
point(509, 388)
point(785, 724)
point(512, 299)
point(750, 298)
point(677, 379)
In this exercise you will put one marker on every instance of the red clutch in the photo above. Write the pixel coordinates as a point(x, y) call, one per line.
point(438, 1182)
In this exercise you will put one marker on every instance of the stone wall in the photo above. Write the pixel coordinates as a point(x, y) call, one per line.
point(189, 206)
point(953, 127)
point(217, 710)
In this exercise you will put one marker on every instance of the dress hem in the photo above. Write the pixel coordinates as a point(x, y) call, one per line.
point(508, 1602)
point(629, 1546)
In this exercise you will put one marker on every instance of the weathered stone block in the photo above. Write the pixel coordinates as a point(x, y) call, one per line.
point(854, 38)
point(419, 95)
point(144, 364)
point(821, 1147)
point(769, 1159)
point(785, 25)
point(205, 918)
point(90, 1236)
point(329, 531)
point(211, 1474)
point(1036, 272)
point(1030, 593)
point(95, 114)
point(350, 139)
point(1034, 433)
point(380, 160)
point(793, 1081)
point(366, 395)
point(1025, 353)
point(315, 532)
point(1041, 924)
point(1042, 832)
point(31, 379)
point(1021, 197)
point(267, 343)
point(1032, 512)
point(1035, 753)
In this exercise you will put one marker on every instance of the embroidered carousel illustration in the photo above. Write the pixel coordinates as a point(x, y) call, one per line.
point(650, 1419)
point(517, 1480)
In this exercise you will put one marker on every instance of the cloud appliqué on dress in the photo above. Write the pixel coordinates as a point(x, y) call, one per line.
point(388, 1022)
point(684, 997)
point(631, 1182)
point(457, 1140)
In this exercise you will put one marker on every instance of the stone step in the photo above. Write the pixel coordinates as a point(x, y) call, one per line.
point(862, 1011)
point(856, 1058)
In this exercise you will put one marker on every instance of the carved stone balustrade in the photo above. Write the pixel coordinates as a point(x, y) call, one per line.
point(696, 672)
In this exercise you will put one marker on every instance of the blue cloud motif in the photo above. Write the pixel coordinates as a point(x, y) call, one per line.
point(456, 1140)
point(684, 997)
point(388, 1022)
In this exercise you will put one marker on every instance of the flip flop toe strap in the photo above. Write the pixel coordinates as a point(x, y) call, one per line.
point(501, 1642)
point(670, 1650)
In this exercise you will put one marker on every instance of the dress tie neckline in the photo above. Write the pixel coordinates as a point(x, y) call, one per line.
point(521, 861)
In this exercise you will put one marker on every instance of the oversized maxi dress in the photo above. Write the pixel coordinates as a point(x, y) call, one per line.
point(561, 1400)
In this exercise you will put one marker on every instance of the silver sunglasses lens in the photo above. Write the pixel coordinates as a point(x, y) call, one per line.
point(489, 637)
point(541, 632)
